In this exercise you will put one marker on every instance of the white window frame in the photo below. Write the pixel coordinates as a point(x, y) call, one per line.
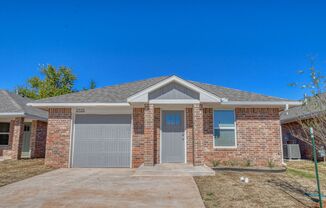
point(5, 133)
point(221, 128)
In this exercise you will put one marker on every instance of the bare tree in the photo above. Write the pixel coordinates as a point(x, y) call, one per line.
point(312, 113)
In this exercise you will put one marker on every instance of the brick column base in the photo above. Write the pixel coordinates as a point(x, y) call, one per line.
point(17, 138)
point(198, 132)
point(149, 135)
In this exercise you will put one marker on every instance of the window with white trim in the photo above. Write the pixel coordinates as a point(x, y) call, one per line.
point(224, 128)
point(4, 133)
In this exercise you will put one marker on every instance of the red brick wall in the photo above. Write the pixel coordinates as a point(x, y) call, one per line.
point(38, 139)
point(190, 136)
point(58, 137)
point(198, 115)
point(297, 135)
point(258, 137)
point(138, 137)
point(149, 135)
point(17, 138)
point(6, 150)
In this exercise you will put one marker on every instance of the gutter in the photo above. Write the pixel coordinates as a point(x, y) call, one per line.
point(22, 114)
point(13, 114)
point(77, 104)
point(264, 103)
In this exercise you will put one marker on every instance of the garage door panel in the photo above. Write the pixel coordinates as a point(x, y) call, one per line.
point(102, 145)
point(102, 131)
point(102, 141)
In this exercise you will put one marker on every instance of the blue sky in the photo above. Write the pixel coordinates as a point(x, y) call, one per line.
point(250, 45)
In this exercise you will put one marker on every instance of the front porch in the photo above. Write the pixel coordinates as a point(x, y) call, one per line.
point(165, 134)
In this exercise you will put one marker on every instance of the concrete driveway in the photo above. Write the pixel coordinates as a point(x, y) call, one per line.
point(101, 188)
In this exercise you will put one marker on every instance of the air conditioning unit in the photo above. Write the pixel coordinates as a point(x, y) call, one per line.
point(292, 151)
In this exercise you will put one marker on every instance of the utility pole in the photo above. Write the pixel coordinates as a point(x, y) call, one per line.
point(316, 166)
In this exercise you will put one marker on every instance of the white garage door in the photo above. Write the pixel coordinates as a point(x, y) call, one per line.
point(102, 141)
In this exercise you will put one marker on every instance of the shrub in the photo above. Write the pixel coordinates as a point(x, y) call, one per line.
point(215, 163)
point(270, 163)
point(233, 163)
point(248, 163)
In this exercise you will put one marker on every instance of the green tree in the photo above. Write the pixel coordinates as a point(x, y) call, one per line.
point(92, 85)
point(53, 82)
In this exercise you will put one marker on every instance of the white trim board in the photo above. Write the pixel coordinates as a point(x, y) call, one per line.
point(262, 103)
point(77, 104)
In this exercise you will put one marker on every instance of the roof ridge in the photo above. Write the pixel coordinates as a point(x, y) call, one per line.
point(13, 100)
point(237, 90)
point(165, 77)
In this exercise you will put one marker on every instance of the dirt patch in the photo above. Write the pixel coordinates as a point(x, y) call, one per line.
point(16, 170)
point(264, 189)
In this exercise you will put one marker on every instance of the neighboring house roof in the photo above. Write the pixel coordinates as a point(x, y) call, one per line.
point(13, 104)
point(303, 112)
point(120, 93)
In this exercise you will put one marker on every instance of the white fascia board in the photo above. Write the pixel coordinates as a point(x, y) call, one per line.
point(77, 104)
point(12, 114)
point(176, 101)
point(144, 98)
point(263, 103)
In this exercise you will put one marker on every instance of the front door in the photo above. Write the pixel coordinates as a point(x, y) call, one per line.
point(173, 142)
point(26, 141)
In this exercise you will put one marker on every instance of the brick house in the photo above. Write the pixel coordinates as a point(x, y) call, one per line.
point(162, 120)
point(293, 133)
point(22, 128)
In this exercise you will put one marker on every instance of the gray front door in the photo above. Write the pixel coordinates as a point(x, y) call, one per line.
point(173, 143)
point(26, 141)
point(102, 141)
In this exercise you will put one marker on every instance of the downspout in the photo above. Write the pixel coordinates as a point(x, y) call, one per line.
point(281, 137)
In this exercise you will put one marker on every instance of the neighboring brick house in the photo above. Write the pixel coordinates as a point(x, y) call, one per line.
point(162, 120)
point(293, 133)
point(22, 128)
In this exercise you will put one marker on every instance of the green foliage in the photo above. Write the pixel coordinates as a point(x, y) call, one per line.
point(92, 85)
point(233, 163)
point(271, 163)
point(215, 163)
point(316, 83)
point(55, 82)
point(248, 163)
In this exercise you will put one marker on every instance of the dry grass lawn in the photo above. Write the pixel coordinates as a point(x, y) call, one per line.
point(16, 170)
point(264, 189)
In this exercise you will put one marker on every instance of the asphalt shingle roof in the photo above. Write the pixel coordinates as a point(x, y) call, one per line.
point(13, 103)
point(120, 93)
point(303, 112)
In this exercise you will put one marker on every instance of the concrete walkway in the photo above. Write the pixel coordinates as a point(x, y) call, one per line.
point(101, 188)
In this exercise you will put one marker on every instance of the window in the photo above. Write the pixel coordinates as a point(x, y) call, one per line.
point(224, 128)
point(172, 119)
point(4, 133)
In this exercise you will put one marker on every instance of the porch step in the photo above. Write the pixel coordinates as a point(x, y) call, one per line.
point(174, 170)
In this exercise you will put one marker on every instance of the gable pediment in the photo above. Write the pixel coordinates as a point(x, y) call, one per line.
point(173, 89)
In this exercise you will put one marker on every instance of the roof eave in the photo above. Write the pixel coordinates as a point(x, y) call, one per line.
point(262, 103)
point(54, 105)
